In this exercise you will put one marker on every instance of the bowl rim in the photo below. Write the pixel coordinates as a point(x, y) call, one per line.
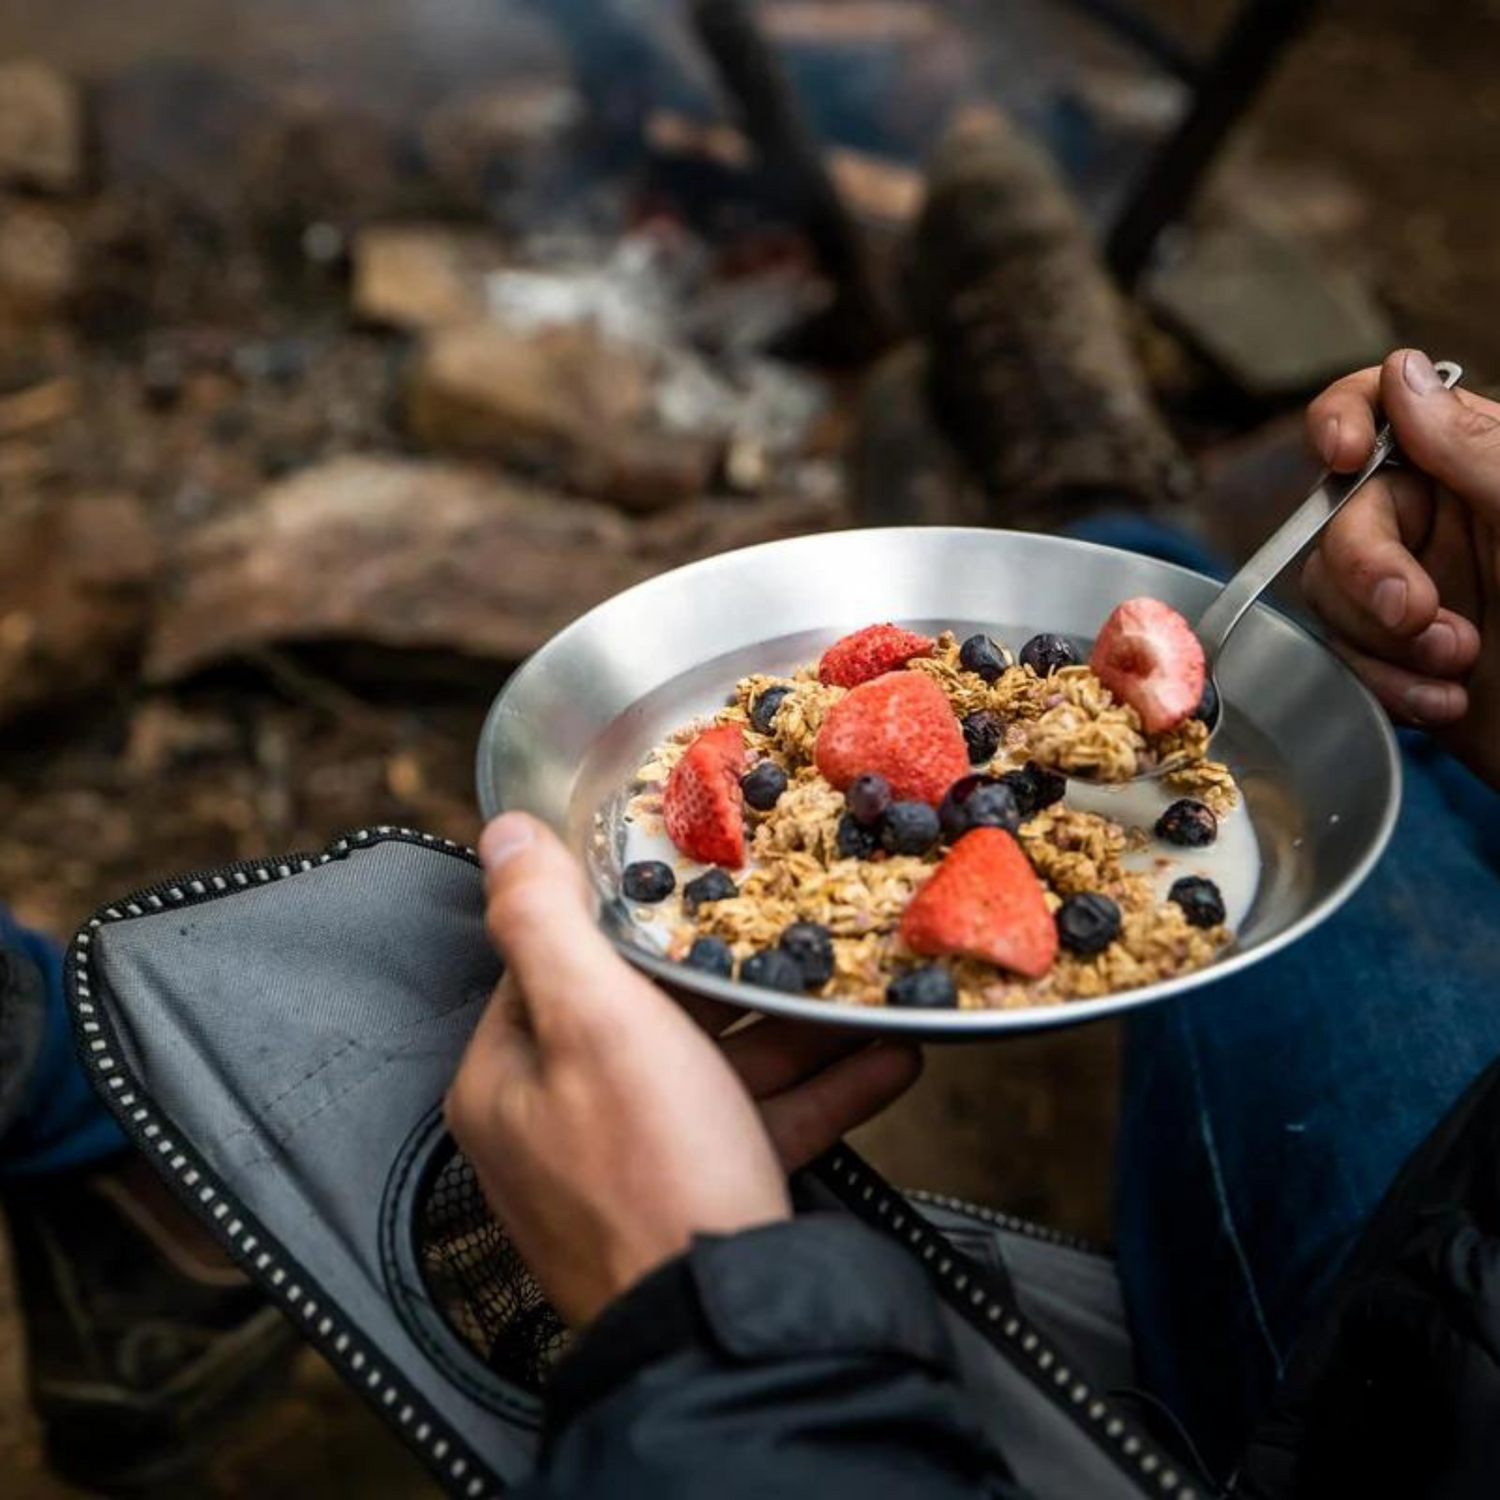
point(955, 1024)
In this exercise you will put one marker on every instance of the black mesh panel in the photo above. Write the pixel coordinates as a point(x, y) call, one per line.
point(478, 1281)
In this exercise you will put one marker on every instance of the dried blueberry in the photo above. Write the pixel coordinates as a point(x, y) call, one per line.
point(980, 654)
point(1199, 899)
point(993, 807)
point(909, 828)
point(1046, 654)
point(763, 785)
point(956, 817)
point(763, 710)
point(1189, 824)
point(648, 880)
point(711, 885)
point(867, 798)
point(1088, 923)
point(982, 734)
point(855, 841)
point(928, 988)
point(1208, 704)
point(811, 948)
point(1035, 788)
point(772, 969)
point(712, 955)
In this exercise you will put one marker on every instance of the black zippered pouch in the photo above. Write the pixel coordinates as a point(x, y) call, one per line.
point(277, 1038)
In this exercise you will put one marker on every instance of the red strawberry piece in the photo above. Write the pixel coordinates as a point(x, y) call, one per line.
point(985, 901)
point(900, 726)
point(703, 805)
point(1148, 657)
point(870, 653)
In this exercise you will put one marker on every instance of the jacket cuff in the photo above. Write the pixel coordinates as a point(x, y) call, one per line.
point(818, 1285)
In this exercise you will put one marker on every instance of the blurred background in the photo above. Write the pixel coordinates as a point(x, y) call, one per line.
point(347, 350)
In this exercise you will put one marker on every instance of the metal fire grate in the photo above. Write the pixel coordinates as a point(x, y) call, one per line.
point(479, 1283)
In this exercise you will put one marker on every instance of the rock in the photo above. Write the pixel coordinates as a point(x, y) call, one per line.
point(427, 555)
point(38, 262)
point(421, 276)
point(41, 128)
point(75, 591)
point(559, 404)
point(1275, 315)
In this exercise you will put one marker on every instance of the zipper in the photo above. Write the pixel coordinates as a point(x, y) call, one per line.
point(961, 1282)
point(458, 1468)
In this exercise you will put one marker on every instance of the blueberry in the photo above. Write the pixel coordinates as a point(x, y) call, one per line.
point(929, 988)
point(993, 807)
point(1199, 899)
point(978, 802)
point(1208, 704)
point(712, 955)
point(763, 785)
point(763, 710)
point(1035, 788)
point(1088, 924)
point(982, 734)
point(810, 947)
point(855, 841)
point(711, 885)
point(1045, 654)
point(1188, 823)
point(772, 969)
point(648, 880)
point(867, 798)
point(909, 828)
point(980, 654)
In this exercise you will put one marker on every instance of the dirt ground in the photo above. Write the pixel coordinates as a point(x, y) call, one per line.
point(1403, 107)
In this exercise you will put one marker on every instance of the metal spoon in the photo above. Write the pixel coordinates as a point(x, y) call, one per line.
point(1333, 491)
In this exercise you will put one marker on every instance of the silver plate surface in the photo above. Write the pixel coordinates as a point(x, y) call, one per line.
point(1313, 753)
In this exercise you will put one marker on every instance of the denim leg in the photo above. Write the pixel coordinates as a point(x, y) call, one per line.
point(1262, 1119)
point(58, 1122)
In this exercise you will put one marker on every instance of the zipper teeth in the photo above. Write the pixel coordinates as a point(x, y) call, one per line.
point(1009, 1222)
point(245, 873)
point(460, 1469)
point(955, 1275)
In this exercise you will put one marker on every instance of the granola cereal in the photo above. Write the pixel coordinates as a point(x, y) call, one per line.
point(800, 866)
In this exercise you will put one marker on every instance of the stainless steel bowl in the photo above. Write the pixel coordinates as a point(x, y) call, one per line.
point(1312, 751)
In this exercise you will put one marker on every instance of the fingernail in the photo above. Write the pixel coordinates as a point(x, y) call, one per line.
point(1439, 643)
point(504, 838)
point(1390, 602)
point(1418, 373)
point(1428, 705)
point(1328, 447)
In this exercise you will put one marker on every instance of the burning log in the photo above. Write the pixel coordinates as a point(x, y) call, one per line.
point(793, 157)
point(427, 555)
point(1032, 373)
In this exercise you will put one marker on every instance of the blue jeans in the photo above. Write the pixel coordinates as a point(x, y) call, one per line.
point(1262, 1119)
point(61, 1124)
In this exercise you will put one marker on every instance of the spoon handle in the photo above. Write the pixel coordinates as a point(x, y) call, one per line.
point(1332, 493)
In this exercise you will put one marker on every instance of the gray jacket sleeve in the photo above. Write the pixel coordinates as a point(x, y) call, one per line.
point(805, 1358)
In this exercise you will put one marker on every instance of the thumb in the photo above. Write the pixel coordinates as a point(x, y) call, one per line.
point(539, 917)
point(1451, 435)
